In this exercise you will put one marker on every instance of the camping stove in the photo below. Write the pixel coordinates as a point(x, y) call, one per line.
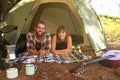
point(11, 57)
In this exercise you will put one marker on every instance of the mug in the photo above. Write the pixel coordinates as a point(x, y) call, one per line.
point(12, 73)
point(30, 69)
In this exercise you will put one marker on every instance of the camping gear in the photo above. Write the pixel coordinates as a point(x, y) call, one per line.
point(80, 68)
point(77, 15)
point(112, 62)
point(1, 62)
point(3, 42)
point(12, 73)
point(30, 69)
point(11, 52)
point(11, 57)
point(8, 51)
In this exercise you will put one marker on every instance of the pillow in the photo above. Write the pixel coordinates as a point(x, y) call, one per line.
point(77, 52)
point(77, 49)
point(76, 39)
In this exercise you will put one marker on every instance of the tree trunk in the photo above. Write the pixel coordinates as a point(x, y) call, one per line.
point(0, 10)
point(4, 9)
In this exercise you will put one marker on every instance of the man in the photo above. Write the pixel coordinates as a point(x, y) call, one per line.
point(39, 42)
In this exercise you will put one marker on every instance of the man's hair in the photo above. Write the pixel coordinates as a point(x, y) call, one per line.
point(39, 22)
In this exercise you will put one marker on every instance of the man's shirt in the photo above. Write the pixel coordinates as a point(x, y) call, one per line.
point(45, 41)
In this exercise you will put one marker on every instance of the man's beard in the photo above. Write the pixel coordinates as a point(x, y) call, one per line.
point(40, 35)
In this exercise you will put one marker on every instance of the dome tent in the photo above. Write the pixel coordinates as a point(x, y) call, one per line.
point(77, 15)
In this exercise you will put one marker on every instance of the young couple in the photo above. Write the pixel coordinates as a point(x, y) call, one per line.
point(40, 42)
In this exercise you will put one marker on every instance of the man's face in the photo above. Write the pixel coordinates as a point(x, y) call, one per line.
point(40, 29)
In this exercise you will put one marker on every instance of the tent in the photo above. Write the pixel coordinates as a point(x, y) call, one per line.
point(77, 15)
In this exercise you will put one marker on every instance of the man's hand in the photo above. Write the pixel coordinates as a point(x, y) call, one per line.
point(42, 52)
point(32, 51)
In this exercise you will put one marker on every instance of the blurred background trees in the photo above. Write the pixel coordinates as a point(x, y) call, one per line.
point(5, 6)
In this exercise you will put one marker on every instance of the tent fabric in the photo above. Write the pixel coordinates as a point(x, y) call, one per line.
point(77, 15)
point(93, 27)
point(17, 16)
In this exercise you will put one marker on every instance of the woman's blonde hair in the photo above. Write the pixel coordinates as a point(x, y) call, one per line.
point(59, 29)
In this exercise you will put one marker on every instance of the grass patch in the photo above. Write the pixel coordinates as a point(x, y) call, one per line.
point(111, 26)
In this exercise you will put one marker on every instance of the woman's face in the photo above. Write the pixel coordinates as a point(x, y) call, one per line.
point(62, 35)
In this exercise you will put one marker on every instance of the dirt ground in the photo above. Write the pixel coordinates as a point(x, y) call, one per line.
point(55, 71)
point(94, 71)
point(97, 71)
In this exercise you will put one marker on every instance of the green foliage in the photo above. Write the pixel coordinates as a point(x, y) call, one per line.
point(11, 3)
point(111, 26)
point(109, 17)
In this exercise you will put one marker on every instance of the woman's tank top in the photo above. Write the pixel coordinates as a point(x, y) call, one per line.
point(61, 45)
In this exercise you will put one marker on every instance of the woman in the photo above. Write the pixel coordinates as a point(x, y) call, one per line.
point(61, 42)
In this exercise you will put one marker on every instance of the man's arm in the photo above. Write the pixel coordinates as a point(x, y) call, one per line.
point(30, 44)
point(47, 45)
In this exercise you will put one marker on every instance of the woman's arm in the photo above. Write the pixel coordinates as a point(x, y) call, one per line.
point(66, 51)
point(53, 44)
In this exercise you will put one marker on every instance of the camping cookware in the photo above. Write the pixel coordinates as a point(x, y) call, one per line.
point(11, 52)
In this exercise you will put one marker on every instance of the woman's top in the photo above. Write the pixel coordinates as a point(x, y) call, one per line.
point(61, 45)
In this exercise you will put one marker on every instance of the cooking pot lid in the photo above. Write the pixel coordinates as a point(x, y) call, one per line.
point(113, 52)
